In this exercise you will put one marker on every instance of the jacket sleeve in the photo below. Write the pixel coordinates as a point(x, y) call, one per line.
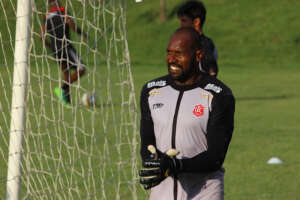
point(219, 131)
point(146, 125)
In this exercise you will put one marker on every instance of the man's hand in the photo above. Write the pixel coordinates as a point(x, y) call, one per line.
point(157, 169)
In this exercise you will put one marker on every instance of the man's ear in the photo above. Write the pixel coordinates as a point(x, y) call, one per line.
point(196, 23)
point(199, 55)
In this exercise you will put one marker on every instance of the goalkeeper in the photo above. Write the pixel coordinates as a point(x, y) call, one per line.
point(192, 113)
point(57, 25)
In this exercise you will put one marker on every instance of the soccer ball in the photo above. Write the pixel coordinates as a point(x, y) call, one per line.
point(88, 99)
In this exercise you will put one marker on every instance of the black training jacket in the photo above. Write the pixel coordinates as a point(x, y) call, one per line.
point(197, 120)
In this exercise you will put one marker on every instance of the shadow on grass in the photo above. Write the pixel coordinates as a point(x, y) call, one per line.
point(149, 16)
point(297, 40)
point(266, 98)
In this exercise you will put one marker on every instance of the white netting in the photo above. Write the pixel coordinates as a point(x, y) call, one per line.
point(74, 152)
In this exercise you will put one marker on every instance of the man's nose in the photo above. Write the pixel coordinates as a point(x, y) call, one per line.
point(171, 58)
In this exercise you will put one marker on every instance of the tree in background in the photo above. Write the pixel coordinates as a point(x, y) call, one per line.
point(162, 13)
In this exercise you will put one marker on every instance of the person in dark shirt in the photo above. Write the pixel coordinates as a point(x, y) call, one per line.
point(56, 27)
point(193, 14)
point(187, 120)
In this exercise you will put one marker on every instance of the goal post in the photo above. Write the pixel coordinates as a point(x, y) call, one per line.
point(53, 150)
point(22, 39)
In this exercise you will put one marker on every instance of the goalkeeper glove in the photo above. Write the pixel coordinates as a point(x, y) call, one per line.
point(156, 170)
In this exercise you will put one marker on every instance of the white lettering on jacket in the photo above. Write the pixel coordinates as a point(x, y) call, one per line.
point(213, 87)
point(156, 83)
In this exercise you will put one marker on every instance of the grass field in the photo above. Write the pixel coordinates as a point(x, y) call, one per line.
point(258, 45)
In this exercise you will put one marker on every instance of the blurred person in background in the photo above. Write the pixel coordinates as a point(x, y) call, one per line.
point(57, 26)
point(193, 14)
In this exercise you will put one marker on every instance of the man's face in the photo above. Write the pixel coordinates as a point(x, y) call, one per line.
point(186, 21)
point(181, 57)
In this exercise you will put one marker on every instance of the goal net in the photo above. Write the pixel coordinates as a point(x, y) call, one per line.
point(72, 151)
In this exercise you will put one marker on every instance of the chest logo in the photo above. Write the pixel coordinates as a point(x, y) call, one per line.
point(198, 110)
point(154, 92)
point(157, 105)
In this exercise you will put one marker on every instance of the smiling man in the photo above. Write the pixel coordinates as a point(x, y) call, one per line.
point(189, 112)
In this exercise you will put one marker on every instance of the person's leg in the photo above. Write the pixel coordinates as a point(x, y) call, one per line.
point(214, 187)
point(75, 63)
point(66, 82)
point(63, 93)
point(78, 73)
point(214, 190)
point(70, 61)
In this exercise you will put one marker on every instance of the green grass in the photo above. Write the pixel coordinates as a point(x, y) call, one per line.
point(258, 45)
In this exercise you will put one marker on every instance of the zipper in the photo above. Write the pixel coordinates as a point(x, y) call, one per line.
point(173, 142)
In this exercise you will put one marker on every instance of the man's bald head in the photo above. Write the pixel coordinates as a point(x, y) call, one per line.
point(190, 36)
point(183, 56)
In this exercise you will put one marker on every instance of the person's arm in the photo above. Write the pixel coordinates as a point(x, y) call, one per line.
point(215, 53)
point(213, 69)
point(210, 57)
point(219, 132)
point(73, 26)
point(210, 61)
point(146, 126)
point(42, 35)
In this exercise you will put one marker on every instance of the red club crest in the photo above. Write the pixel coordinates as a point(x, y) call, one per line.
point(198, 110)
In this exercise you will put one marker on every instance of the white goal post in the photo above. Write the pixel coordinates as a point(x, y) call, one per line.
point(18, 98)
point(52, 150)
